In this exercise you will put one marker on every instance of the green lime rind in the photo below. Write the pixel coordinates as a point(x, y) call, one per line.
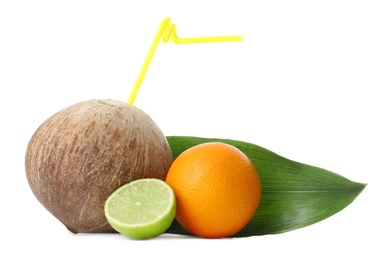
point(141, 209)
point(294, 195)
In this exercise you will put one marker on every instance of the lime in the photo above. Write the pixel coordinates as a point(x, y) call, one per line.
point(141, 209)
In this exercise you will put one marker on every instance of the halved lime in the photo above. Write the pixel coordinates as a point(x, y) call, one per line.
point(141, 209)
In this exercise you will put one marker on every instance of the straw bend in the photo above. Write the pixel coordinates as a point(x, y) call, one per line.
point(167, 31)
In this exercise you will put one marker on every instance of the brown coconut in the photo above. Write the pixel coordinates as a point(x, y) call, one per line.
point(81, 154)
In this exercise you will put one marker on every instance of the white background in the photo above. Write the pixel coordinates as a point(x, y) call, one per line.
point(308, 82)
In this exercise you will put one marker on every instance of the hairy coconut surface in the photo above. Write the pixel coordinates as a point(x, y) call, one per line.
point(81, 154)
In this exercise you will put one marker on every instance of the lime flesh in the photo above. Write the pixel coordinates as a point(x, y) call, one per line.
point(141, 209)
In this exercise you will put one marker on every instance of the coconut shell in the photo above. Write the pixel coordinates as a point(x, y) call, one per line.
point(81, 154)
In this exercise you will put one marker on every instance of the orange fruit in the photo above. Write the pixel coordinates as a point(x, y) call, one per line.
point(217, 189)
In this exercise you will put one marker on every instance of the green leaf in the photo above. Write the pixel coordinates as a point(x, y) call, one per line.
point(294, 195)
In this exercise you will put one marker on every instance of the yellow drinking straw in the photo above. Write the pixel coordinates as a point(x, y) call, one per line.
point(167, 31)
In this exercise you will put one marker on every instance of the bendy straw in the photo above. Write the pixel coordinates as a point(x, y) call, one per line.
point(167, 31)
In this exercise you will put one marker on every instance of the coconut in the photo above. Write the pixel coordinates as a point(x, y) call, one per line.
point(84, 152)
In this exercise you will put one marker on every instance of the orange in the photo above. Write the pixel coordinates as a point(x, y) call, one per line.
point(217, 189)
